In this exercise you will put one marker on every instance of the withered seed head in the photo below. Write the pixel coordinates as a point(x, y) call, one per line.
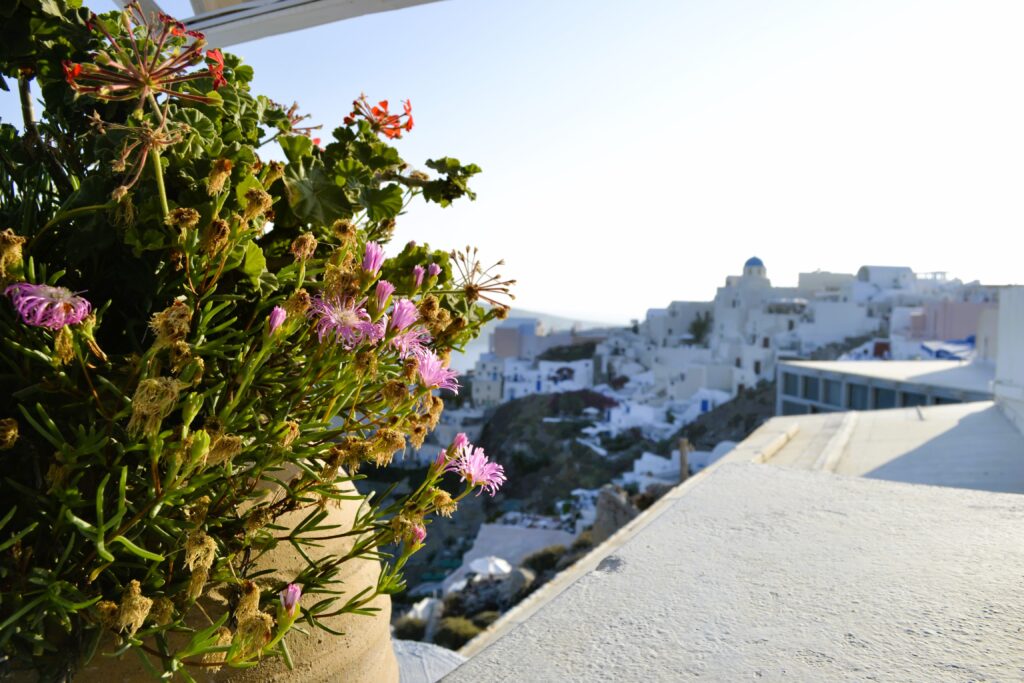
point(218, 177)
point(303, 246)
point(182, 218)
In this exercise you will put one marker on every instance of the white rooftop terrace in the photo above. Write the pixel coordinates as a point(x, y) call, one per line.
point(791, 570)
point(965, 445)
point(755, 571)
point(944, 374)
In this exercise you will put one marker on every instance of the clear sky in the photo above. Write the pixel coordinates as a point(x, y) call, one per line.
point(636, 152)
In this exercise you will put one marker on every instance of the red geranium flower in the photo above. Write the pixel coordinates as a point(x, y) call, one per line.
point(217, 67)
point(380, 119)
point(71, 71)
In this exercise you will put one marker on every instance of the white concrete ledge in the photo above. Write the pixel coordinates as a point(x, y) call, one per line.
point(773, 573)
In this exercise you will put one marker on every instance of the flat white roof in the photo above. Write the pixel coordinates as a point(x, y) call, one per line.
point(754, 571)
point(945, 374)
point(964, 445)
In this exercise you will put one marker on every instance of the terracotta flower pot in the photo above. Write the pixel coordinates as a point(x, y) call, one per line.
point(362, 655)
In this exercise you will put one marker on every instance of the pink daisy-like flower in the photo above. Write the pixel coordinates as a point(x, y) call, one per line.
point(417, 275)
point(433, 270)
point(290, 598)
point(384, 291)
point(46, 306)
point(411, 342)
point(419, 532)
point(434, 374)
point(374, 332)
point(405, 314)
point(373, 257)
point(276, 318)
point(441, 460)
point(473, 466)
point(344, 319)
point(460, 442)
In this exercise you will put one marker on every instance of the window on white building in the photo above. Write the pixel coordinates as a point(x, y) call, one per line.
point(790, 384)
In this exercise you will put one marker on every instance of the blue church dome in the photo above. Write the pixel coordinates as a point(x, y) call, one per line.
point(754, 262)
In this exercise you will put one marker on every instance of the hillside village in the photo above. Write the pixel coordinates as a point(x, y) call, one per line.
point(647, 406)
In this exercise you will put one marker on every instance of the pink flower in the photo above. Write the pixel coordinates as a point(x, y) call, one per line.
point(290, 598)
point(46, 306)
point(417, 275)
point(384, 291)
point(373, 257)
point(419, 532)
point(346, 320)
point(405, 314)
point(433, 270)
point(474, 467)
point(434, 374)
point(442, 459)
point(374, 332)
point(411, 342)
point(460, 442)
point(277, 317)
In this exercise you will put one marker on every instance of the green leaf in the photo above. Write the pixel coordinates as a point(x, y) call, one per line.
point(136, 550)
point(254, 263)
point(204, 640)
point(295, 147)
point(201, 132)
point(313, 197)
point(382, 203)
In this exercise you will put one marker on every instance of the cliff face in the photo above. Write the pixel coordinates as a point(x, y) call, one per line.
point(731, 421)
point(542, 459)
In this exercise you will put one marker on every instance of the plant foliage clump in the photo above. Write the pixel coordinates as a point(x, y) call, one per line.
point(197, 340)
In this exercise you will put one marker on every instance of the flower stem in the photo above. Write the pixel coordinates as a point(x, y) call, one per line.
point(70, 213)
point(158, 171)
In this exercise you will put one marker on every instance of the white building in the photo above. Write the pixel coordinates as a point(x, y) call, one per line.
point(488, 378)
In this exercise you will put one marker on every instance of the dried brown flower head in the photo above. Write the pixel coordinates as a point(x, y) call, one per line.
point(10, 254)
point(345, 231)
point(216, 238)
point(443, 503)
point(182, 218)
point(366, 362)
point(8, 433)
point(386, 443)
point(298, 303)
point(153, 401)
point(197, 582)
point(171, 324)
point(200, 551)
point(225, 447)
point(248, 601)
point(395, 392)
point(254, 631)
point(256, 203)
point(275, 171)
point(219, 174)
point(162, 612)
point(304, 246)
point(133, 610)
point(64, 345)
point(106, 613)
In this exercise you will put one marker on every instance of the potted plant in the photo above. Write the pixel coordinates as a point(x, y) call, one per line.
point(201, 348)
